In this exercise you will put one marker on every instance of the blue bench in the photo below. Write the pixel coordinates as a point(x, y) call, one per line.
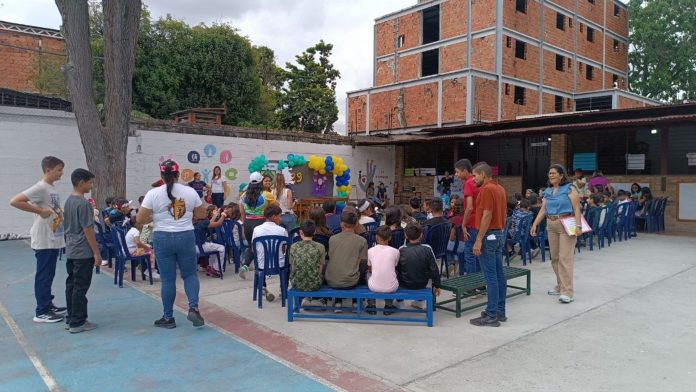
point(360, 293)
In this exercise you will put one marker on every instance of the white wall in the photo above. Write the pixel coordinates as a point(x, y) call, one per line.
point(27, 135)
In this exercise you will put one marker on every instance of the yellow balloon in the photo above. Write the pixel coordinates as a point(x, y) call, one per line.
point(322, 171)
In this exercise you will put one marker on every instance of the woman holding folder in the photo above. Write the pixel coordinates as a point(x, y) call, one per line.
point(561, 202)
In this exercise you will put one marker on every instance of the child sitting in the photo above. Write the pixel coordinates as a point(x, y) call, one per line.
point(417, 264)
point(307, 260)
point(381, 262)
point(271, 226)
point(518, 215)
point(214, 219)
point(136, 247)
point(347, 256)
point(120, 213)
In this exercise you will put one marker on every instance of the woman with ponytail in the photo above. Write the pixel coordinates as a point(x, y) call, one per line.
point(172, 207)
point(252, 204)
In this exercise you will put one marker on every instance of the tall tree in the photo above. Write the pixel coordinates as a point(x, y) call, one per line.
point(308, 100)
point(662, 59)
point(104, 143)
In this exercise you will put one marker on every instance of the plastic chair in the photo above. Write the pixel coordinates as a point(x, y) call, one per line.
point(106, 245)
point(437, 237)
point(229, 228)
point(372, 226)
point(202, 253)
point(272, 246)
point(294, 235)
point(660, 218)
point(118, 236)
point(453, 252)
point(398, 238)
point(322, 239)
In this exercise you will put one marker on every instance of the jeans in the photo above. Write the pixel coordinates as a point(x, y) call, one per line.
point(491, 261)
point(172, 249)
point(470, 262)
point(76, 286)
point(218, 199)
point(288, 221)
point(249, 226)
point(46, 260)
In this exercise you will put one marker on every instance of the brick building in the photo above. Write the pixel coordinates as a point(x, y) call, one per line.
point(453, 62)
point(29, 54)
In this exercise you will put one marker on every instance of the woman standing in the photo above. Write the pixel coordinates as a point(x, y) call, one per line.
point(284, 196)
point(172, 207)
point(267, 190)
point(252, 205)
point(561, 200)
point(217, 187)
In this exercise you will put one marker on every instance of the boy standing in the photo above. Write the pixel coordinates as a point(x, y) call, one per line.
point(417, 264)
point(81, 250)
point(46, 235)
point(347, 255)
point(307, 260)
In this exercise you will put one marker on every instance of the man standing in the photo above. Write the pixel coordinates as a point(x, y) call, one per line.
point(462, 169)
point(46, 236)
point(445, 183)
point(490, 221)
point(81, 250)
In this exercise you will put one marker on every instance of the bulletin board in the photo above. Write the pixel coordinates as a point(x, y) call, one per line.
point(686, 201)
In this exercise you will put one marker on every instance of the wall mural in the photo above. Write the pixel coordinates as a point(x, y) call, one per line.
point(187, 175)
point(225, 157)
point(368, 177)
point(194, 157)
point(209, 150)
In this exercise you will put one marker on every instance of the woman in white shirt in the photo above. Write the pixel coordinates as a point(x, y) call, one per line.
point(172, 207)
point(217, 187)
point(284, 196)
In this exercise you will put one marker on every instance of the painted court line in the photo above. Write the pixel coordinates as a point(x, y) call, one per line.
point(29, 351)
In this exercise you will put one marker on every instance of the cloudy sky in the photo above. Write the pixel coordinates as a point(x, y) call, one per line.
point(288, 27)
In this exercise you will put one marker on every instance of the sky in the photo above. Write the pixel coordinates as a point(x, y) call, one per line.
point(286, 26)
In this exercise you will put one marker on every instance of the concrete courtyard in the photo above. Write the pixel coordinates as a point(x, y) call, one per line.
point(632, 327)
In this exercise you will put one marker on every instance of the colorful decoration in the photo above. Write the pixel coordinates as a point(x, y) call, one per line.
point(258, 163)
point(209, 150)
point(225, 157)
point(296, 160)
point(231, 174)
point(320, 184)
point(194, 156)
point(297, 178)
point(187, 175)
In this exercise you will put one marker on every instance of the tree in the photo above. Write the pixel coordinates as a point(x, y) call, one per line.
point(104, 143)
point(662, 60)
point(308, 100)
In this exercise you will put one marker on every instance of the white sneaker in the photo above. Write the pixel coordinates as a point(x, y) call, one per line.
point(417, 305)
point(242, 271)
point(49, 317)
point(565, 299)
point(105, 262)
point(155, 275)
point(553, 292)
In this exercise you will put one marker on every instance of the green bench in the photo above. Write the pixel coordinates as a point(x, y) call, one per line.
point(463, 287)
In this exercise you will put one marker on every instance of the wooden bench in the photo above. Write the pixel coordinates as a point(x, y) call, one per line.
point(463, 286)
point(360, 293)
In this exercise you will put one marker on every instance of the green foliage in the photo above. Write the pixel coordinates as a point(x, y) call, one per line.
point(48, 77)
point(662, 60)
point(308, 100)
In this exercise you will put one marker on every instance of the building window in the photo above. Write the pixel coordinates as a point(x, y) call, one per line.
point(431, 24)
point(590, 1)
point(570, 63)
point(570, 22)
point(558, 104)
point(616, 10)
point(588, 74)
point(521, 6)
point(590, 34)
point(519, 95)
point(520, 49)
point(560, 63)
point(560, 21)
point(508, 42)
point(507, 89)
point(430, 62)
point(615, 81)
point(616, 46)
point(581, 27)
point(400, 42)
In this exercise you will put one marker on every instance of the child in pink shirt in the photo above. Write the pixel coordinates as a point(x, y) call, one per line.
point(382, 260)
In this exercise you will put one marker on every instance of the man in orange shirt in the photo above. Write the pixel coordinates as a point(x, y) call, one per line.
point(490, 221)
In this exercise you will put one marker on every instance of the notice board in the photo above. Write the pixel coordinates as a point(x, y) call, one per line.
point(686, 201)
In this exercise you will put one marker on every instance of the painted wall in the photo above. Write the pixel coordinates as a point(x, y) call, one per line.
point(28, 135)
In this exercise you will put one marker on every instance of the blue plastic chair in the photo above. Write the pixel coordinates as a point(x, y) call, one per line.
point(370, 233)
point(272, 246)
point(322, 239)
point(437, 237)
point(123, 255)
point(201, 253)
point(294, 236)
point(229, 228)
point(660, 214)
point(398, 238)
point(372, 226)
point(106, 245)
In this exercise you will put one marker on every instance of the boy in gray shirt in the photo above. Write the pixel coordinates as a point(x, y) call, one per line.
point(81, 250)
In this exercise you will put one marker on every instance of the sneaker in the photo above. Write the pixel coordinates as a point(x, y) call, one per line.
point(195, 317)
point(485, 321)
point(48, 317)
point(214, 273)
point(498, 317)
point(389, 312)
point(564, 299)
point(338, 304)
point(306, 302)
point(535, 252)
point(553, 292)
point(370, 309)
point(155, 275)
point(87, 326)
point(166, 323)
point(417, 305)
point(58, 310)
point(242, 271)
point(105, 262)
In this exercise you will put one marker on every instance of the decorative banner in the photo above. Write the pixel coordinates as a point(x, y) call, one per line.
point(225, 156)
point(231, 173)
point(297, 177)
point(320, 184)
point(194, 156)
point(187, 175)
point(209, 150)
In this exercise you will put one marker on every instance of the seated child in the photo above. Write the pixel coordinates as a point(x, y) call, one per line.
point(137, 247)
point(307, 260)
point(417, 264)
point(271, 226)
point(347, 255)
point(381, 262)
point(521, 212)
point(120, 213)
point(214, 219)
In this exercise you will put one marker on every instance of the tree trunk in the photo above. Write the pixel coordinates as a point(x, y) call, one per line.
point(105, 145)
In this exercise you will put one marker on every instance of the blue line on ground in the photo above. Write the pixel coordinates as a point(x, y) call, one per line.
point(126, 353)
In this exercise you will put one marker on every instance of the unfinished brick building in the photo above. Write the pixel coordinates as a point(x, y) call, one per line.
point(452, 62)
